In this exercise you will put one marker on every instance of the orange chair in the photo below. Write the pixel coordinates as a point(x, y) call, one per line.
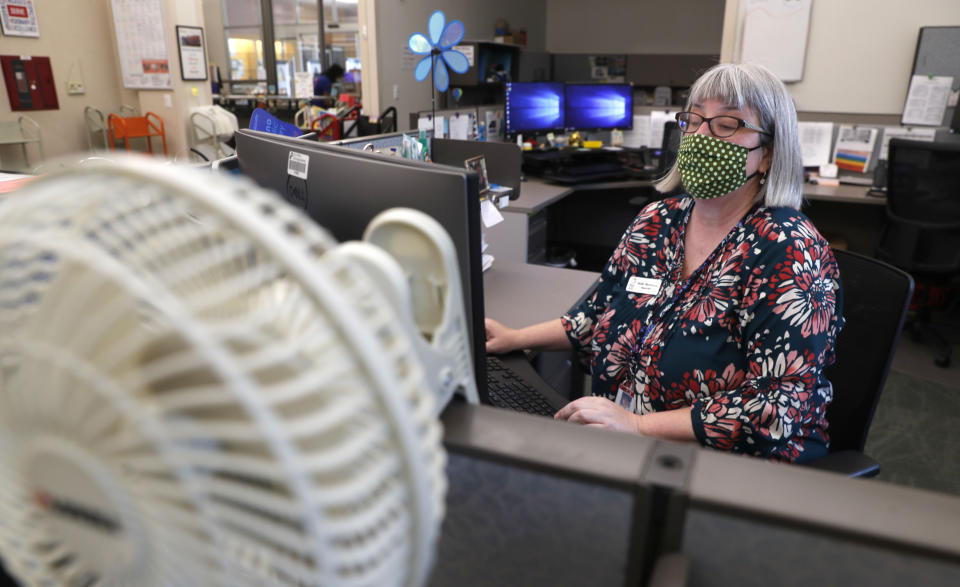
point(327, 127)
point(132, 127)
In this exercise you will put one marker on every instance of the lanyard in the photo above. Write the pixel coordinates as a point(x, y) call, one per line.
point(657, 316)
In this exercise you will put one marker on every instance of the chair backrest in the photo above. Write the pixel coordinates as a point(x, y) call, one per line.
point(922, 231)
point(876, 296)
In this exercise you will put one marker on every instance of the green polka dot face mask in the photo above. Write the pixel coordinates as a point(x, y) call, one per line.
point(710, 167)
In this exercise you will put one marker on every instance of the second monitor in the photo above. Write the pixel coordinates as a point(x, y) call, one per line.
point(598, 106)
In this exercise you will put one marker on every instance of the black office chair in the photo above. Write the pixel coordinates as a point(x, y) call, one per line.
point(876, 297)
point(922, 231)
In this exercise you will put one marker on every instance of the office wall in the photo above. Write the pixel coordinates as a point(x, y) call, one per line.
point(213, 34)
point(78, 39)
point(631, 26)
point(860, 52)
point(174, 105)
point(397, 20)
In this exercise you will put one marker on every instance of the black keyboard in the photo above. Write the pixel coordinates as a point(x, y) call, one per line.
point(507, 390)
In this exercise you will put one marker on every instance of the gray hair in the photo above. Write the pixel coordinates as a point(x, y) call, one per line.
point(753, 86)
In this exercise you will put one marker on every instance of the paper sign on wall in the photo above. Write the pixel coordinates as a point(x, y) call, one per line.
point(19, 18)
point(815, 141)
point(775, 35)
point(927, 99)
point(142, 44)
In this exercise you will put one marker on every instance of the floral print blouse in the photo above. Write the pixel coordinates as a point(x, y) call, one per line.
point(743, 340)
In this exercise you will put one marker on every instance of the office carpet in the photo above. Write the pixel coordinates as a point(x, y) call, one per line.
point(915, 433)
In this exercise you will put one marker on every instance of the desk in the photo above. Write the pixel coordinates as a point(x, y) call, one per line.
point(850, 194)
point(845, 214)
point(521, 294)
point(523, 235)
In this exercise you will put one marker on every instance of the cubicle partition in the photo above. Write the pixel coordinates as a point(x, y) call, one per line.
point(537, 502)
point(503, 160)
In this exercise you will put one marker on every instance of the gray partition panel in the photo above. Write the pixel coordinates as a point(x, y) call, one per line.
point(732, 550)
point(937, 51)
point(642, 69)
point(503, 159)
point(508, 525)
point(751, 522)
point(532, 501)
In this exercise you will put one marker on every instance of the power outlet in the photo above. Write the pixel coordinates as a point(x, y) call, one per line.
point(75, 88)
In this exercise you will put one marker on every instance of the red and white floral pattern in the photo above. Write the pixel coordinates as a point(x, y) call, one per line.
point(745, 343)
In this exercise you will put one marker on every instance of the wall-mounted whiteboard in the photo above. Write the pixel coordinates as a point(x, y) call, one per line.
point(774, 34)
point(142, 44)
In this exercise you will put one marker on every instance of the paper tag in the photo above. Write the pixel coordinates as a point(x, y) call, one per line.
point(644, 285)
point(491, 216)
point(297, 164)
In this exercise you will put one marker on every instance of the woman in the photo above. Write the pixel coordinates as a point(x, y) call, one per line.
point(718, 311)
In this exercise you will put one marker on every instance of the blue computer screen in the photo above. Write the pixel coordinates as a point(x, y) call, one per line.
point(534, 106)
point(599, 106)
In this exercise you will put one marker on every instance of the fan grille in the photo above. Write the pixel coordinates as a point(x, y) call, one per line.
point(192, 393)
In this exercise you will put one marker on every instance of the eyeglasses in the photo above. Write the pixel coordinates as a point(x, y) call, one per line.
point(721, 126)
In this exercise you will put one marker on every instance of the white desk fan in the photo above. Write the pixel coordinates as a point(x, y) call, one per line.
point(194, 392)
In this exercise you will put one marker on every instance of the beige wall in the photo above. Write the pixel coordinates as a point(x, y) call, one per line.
point(396, 21)
point(78, 39)
point(174, 106)
point(859, 52)
point(674, 27)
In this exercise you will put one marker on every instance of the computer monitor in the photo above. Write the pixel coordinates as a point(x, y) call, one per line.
point(534, 107)
point(599, 106)
point(342, 189)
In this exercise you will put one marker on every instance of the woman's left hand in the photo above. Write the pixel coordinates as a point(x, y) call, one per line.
point(599, 412)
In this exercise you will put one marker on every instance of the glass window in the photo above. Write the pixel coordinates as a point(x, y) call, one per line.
point(296, 40)
point(243, 13)
point(296, 36)
point(245, 51)
point(284, 12)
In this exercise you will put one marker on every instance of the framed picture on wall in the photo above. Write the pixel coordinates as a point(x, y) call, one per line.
point(18, 18)
point(193, 61)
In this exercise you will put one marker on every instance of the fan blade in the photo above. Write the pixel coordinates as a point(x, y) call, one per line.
point(441, 79)
point(419, 44)
point(456, 61)
point(435, 26)
point(423, 69)
point(452, 35)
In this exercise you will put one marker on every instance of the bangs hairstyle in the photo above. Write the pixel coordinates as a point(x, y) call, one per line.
point(753, 86)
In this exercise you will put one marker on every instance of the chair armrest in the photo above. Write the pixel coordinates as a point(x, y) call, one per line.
point(847, 462)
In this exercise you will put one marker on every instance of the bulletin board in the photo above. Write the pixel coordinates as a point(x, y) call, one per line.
point(937, 53)
point(142, 44)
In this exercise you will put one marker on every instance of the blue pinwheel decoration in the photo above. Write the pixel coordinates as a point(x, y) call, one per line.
point(438, 48)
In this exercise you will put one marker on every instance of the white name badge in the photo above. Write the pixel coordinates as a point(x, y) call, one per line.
point(644, 285)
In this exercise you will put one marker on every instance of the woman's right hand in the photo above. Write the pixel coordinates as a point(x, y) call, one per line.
point(500, 338)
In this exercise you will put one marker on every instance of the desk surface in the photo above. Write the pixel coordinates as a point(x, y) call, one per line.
point(520, 294)
point(536, 194)
point(851, 194)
